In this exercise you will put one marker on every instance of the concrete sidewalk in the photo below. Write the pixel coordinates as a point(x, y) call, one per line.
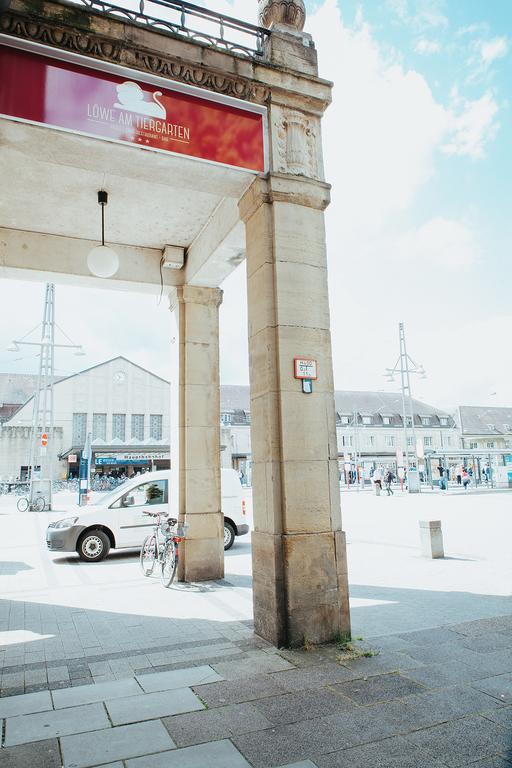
point(431, 698)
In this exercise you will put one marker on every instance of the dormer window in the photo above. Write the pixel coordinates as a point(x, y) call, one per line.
point(345, 419)
point(367, 420)
point(490, 427)
point(425, 421)
point(443, 421)
point(386, 420)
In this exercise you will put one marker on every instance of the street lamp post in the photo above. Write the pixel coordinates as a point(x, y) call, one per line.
point(406, 366)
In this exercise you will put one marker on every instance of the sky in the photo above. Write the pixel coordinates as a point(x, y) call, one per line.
point(417, 149)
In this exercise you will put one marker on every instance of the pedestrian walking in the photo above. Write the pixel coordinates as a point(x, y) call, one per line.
point(388, 479)
point(377, 480)
point(443, 483)
point(459, 475)
point(465, 479)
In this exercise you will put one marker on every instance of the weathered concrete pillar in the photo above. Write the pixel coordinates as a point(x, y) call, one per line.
point(299, 558)
point(199, 498)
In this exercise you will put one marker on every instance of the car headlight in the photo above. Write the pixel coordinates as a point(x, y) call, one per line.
point(66, 523)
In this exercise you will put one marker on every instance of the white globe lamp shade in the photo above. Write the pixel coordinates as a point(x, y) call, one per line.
point(103, 261)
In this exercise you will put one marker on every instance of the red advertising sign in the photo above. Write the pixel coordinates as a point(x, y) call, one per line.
point(109, 105)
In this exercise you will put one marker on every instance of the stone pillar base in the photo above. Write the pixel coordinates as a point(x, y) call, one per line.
point(300, 587)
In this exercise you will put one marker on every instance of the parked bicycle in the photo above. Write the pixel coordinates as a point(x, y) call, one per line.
point(38, 503)
point(162, 547)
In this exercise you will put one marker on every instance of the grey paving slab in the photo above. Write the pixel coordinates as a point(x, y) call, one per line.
point(492, 762)
point(44, 725)
point(391, 661)
point(256, 663)
point(42, 754)
point(25, 704)
point(499, 686)
point(87, 694)
point(309, 678)
point(443, 675)
point(232, 692)
point(462, 741)
point(389, 753)
point(113, 744)
point(303, 705)
point(379, 688)
point(214, 724)
point(302, 764)
point(178, 678)
point(151, 706)
point(218, 754)
point(433, 707)
point(501, 715)
point(433, 636)
point(305, 740)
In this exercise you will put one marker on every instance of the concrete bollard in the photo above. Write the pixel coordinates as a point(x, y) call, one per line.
point(431, 537)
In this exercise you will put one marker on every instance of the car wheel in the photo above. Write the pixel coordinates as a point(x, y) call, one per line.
point(229, 535)
point(93, 546)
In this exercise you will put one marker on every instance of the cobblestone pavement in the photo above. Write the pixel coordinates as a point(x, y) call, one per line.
point(426, 699)
point(101, 667)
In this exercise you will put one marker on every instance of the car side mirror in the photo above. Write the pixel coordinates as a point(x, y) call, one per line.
point(129, 501)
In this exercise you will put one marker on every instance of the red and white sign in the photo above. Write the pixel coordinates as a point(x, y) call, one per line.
point(72, 458)
point(44, 439)
point(304, 368)
point(75, 96)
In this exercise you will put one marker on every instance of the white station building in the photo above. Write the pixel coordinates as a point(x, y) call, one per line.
point(124, 407)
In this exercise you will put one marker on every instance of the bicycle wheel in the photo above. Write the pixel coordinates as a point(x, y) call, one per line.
point(39, 504)
point(148, 554)
point(22, 504)
point(169, 564)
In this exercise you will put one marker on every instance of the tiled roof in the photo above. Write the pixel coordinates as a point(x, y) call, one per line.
point(479, 420)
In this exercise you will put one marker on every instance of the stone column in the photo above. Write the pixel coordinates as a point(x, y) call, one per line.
point(199, 497)
point(299, 558)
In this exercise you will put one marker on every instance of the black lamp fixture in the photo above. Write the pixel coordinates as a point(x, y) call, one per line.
point(102, 260)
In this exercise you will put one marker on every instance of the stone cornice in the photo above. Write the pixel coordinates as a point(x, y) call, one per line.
point(115, 41)
point(284, 188)
point(120, 51)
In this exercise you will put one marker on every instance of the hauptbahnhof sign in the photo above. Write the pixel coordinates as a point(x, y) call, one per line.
point(121, 105)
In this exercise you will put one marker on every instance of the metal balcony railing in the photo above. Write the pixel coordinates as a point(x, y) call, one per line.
point(189, 21)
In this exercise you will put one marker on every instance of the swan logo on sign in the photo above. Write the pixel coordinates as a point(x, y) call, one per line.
point(131, 98)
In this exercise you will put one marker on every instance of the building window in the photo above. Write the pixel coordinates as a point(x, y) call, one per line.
point(427, 442)
point(345, 419)
point(443, 421)
point(390, 441)
point(79, 428)
point(99, 426)
point(448, 440)
point(473, 446)
point(225, 418)
point(386, 420)
point(367, 420)
point(370, 440)
point(506, 428)
point(155, 426)
point(346, 440)
point(138, 426)
point(410, 442)
point(490, 445)
point(119, 426)
point(408, 421)
point(425, 420)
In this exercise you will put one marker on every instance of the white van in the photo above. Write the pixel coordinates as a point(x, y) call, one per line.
point(116, 520)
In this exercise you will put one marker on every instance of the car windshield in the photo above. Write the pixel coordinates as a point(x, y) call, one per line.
point(105, 499)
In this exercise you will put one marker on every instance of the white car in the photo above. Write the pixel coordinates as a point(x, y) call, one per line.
point(116, 520)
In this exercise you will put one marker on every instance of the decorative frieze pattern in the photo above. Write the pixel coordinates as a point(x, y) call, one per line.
point(123, 53)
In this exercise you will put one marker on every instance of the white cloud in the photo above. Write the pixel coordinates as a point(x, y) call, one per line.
point(440, 242)
point(419, 14)
point(490, 50)
point(473, 126)
point(424, 46)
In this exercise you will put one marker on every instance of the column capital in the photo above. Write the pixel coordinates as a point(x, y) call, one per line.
point(195, 294)
point(284, 188)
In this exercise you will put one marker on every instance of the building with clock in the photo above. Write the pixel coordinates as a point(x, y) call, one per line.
point(123, 407)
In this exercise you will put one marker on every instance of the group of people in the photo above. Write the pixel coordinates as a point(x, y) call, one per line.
point(387, 477)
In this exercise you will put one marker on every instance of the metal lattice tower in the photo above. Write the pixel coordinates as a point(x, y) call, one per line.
point(43, 413)
point(405, 366)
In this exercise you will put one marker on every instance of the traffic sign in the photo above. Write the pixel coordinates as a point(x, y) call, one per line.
point(44, 439)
